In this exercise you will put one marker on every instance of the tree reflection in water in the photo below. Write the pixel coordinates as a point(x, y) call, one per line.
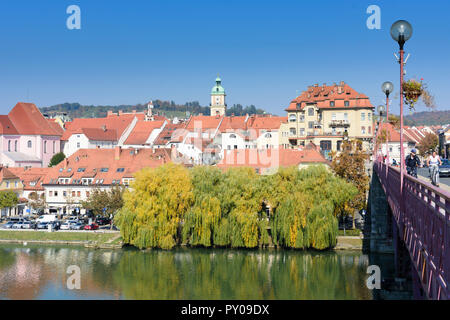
point(183, 273)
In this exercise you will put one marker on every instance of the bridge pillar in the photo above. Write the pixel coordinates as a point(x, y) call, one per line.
point(380, 219)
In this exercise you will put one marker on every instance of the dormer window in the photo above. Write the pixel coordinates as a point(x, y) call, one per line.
point(233, 136)
point(331, 103)
point(346, 103)
point(104, 170)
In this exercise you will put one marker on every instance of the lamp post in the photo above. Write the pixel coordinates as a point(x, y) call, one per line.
point(380, 126)
point(401, 31)
point(387, 87)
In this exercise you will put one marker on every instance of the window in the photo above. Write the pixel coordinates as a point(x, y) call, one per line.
point(292, 131)
point(73, 193)
point(78, 193)
point(87, 194)
point(311, 125)
point(120, 169)
point(45, 146)
point(331, 103)
point(310, 111)
point(9, 145)
point(15, 146)
point(65, 193)
point(56, 193)
point(369, 129)
point(333, 116)
point(338, 145)
point(7, 184)
point(302, 117)
point(346, 116)
point(81, 169)
point(369, 116)
point(69, 170)
point(363, 116)
point(292, 118)
point(29, 144)
point(61, 169)
point(302, 131)
point(54, 147)
point(229, 147)
point(78, 145)
point(346, 103)
point(232, 136)
point(104, 169)
point(363, 130)
point(50, 193)
point(268, 135)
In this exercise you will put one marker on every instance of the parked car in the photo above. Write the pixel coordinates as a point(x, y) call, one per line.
point(28, 225)
point(8, 225)
point(77, 226)
point(18, 225)
point(65, 226)
point(42, 225)
point(101, 221)
point(444, 169)
point(91, 226)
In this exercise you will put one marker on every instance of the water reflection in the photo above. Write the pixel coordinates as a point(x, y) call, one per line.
point(40, 273)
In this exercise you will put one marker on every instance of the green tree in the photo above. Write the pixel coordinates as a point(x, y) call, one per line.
point(350, 165)
point(105, 202)
point(429, 142)
point(8, 199)
point(56, 159)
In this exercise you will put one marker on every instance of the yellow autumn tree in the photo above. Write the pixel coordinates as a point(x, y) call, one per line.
point(155, 206)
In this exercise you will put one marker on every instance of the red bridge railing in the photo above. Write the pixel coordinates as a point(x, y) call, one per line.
point(422, 213)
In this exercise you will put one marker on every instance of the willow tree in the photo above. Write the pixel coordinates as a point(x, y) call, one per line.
point(305, 216)
point(155, 206)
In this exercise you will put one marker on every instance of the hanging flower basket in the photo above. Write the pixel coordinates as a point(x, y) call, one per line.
point(412, 90)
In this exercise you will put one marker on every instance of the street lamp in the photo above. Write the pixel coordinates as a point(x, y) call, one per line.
point(387, 87)
point(380, 124)
point(401, 31)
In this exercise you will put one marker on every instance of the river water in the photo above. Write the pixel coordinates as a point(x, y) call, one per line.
point(40, 272)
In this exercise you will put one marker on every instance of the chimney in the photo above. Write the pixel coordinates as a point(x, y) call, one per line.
point(104, 128)
point(117, 151)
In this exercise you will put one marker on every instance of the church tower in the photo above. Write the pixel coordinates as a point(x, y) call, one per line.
point(218, 106)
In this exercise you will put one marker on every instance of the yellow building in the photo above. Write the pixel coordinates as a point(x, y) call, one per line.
point(10, 182)
point(326, 115)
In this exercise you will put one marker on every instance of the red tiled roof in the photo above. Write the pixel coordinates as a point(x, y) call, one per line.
point(6, 126)
point(98, 134)
point(270, 158)
point(111, 123)
point(142, 131)
point(203, 122)
point(322, 95)
point(393, 134)
point(93, 160)
point(55, 125)
point(28, 120)
point(171, 133)
point(32, 177)
point(5, 173)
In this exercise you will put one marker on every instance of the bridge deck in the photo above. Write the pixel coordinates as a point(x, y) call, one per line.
point(422, 213)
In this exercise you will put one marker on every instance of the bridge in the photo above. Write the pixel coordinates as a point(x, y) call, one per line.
point(417, 216)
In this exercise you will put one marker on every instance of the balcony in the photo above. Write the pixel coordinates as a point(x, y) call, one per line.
point(339, 123)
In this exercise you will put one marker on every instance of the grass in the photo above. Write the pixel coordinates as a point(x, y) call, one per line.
point(354, 232)
point(56, 236)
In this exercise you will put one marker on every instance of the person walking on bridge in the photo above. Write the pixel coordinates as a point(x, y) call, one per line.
point(412, 163)
point(434, 161)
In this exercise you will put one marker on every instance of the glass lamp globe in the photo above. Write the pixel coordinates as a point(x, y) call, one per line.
point(380, 109)
point(401, 30)
point(387, 87)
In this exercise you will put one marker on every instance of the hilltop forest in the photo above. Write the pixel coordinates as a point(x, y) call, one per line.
point(167, 108)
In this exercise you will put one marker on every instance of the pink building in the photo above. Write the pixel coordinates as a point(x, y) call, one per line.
point(27, 139)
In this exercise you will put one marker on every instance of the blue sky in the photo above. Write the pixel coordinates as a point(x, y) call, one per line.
point(266, 52)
